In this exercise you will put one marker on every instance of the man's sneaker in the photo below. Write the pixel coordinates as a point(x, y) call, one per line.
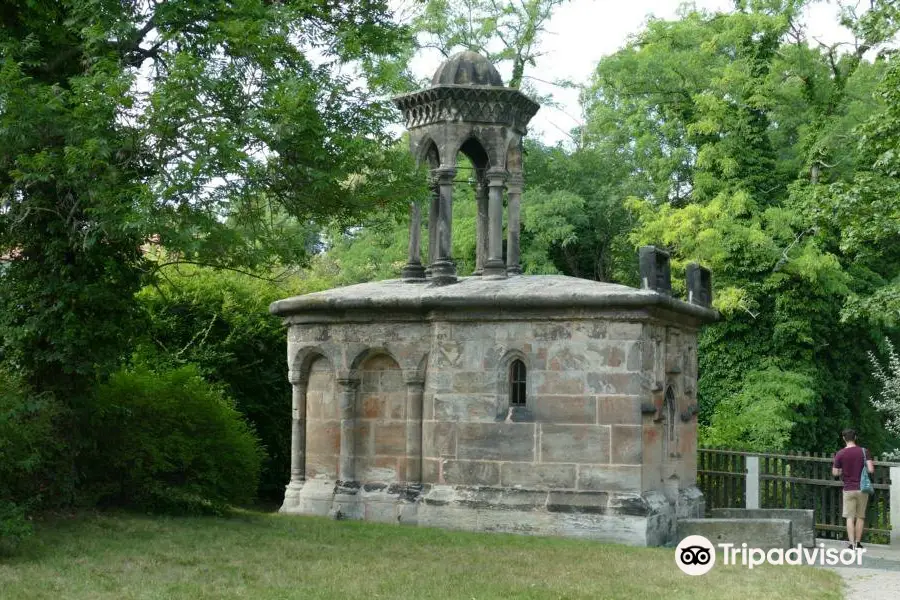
point(859, 545)
point(850, 546)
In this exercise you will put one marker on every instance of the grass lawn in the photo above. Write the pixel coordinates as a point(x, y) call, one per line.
point(259, 556)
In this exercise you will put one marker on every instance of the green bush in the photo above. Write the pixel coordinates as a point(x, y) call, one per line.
point(27, 446)
point(220, 322)
point(168, 441)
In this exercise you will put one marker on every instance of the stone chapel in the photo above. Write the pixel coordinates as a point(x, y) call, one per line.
point(496, 401)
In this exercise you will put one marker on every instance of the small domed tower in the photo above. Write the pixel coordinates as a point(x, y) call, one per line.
point(467, 109)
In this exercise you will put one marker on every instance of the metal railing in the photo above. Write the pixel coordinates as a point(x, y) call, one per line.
point(801, 480)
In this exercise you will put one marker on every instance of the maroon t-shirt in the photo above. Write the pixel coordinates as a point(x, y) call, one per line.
point(851, 461)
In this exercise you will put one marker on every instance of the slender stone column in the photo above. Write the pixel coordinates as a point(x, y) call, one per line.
point(481, 225)
point(434, 211)
point(346, 389)
point(494, 266)
point(413, 270)
point(414, 394)
point(298, 430)
point(514, 199)
point(443, 269)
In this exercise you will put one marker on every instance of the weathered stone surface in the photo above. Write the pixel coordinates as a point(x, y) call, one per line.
point(803, 522)
point(496, 441)
point(626, 444)
point(323, 437)
point(574, 443)
point(578, 502)
point(558, 382)
point(616, 478)
point(389, 438)
point(539, 476)
point(476, 382)
point(606, 383)
point(619, 410)
point(439, 439)
point(565, 409)
point(465, 472)
point(756, 533)
point(520, 293)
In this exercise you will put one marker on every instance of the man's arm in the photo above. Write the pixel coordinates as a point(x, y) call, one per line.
point(836, 471)
point(871, 466)
point(836, 468)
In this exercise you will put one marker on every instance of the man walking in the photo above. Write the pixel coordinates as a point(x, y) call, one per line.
point(848, 465)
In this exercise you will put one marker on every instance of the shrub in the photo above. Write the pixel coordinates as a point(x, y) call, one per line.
point(168, 441)
point(27, 445)
point(220, 322)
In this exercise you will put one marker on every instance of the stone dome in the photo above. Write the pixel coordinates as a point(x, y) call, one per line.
point(467, 68)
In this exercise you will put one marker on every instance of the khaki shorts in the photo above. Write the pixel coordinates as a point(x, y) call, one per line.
point(855, 505)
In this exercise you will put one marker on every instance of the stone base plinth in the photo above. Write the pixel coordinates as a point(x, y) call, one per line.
point(628, 518)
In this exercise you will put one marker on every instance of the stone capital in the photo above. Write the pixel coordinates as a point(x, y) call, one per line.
point(295, 377)
point(443, 175)
point(515, 183)
point(496, 177)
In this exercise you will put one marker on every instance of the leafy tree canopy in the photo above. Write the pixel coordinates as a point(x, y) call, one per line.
point(204, 127)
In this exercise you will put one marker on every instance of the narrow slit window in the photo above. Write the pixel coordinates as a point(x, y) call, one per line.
point(517, 383)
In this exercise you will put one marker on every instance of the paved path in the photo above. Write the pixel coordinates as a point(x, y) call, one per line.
point(878, 578)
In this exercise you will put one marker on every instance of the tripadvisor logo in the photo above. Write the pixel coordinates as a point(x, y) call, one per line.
point(696, 555)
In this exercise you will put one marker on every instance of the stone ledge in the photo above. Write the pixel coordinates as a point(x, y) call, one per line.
point(642, 520)
point(756, 533)
point(803, 521)
point(518, 293)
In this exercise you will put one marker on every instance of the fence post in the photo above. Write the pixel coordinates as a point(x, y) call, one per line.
point(895, 506)
point(751, 489)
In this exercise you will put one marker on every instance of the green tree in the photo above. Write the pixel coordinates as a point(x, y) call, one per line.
point(501, 30)
point(727, 122)
point(173, 123)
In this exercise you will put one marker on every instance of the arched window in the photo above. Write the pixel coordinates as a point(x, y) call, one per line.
point(517, 383)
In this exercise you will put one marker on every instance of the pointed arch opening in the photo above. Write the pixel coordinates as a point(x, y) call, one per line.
point(518, 383)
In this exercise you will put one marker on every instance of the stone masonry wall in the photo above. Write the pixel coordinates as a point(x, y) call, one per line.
point(581, 427)
point(323, 437)
point(586, 425)
point(381, 427)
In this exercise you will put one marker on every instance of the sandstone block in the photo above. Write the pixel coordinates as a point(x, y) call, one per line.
point(613, 383)
point(495, 441)
point(613, 478)
point(557, 382)
point(565, 409)
point(461, 472)
point(626, 444)
point(540, 476)
point(439, 439)
point(389, 438)
point(574, 443)
point(619, 410)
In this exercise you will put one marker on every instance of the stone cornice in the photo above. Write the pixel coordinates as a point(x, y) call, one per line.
point(521, 293)
point(476, 104)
